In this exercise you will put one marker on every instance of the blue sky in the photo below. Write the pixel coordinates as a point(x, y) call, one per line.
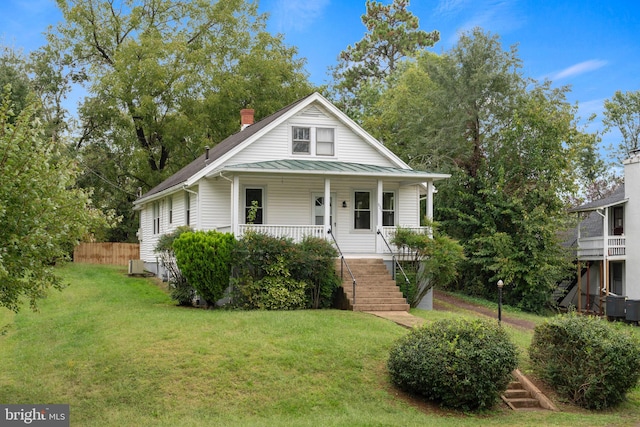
point(593, 46)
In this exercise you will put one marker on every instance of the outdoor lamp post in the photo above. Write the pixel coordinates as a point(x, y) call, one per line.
point(500, 285)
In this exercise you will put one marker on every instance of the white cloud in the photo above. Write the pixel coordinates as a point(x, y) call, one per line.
point(580, 68)
point(297, 15)
point(450, 6)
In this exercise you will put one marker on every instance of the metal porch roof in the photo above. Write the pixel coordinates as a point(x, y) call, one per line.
point(318, 167)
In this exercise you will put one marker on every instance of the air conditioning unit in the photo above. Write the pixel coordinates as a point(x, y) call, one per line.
point(136, 266)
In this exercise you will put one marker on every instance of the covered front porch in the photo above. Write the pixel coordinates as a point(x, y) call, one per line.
point(357, 205)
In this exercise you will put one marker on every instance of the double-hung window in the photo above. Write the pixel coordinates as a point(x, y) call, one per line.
point(324, 141)
point(187, 208)
point(170, 207)
point(253, 206)
point(156, 217)
point(362, 210)
point(313, 141)
point(301, 140)
point(388, 209)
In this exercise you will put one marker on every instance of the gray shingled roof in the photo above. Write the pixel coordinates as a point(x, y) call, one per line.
point(218, 151)
point(614, 198)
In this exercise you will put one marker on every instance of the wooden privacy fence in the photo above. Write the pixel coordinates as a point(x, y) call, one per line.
point(106, 253)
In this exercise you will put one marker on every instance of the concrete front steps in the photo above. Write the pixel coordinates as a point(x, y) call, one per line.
point(523, 395)
point(375, 289)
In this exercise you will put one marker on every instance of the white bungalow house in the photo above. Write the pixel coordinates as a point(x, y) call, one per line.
point(290, 164)
point(608, 250)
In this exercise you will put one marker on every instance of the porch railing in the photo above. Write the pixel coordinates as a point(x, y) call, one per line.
point(294, 232)
point(343, 262)
point(396, 263)
point(593, 247)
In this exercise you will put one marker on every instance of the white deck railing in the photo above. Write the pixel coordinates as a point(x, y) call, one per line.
point(593, 247)
point(294, 232)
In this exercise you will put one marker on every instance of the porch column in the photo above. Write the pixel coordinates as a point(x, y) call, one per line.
point(379, 217)
point(327, 206)
point(430, 189)
point(605, 252)
point(235, 205)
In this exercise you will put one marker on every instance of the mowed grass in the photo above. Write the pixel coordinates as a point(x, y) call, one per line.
point(121, 353)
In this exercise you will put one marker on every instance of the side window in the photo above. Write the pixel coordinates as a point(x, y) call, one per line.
point(324, 141)
point(156, 217)
point(187, 208)
point(388, 209)
point(301, 142)
point(170, 207)
point(362, 210)
point(253, 207)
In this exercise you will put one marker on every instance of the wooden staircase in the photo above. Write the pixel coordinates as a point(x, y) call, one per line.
point(375, 289)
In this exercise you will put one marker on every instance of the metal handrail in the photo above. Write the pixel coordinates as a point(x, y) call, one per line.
point(395, 261)
point(344, 262)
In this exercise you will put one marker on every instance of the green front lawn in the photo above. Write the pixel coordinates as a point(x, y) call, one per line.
point(120, 353)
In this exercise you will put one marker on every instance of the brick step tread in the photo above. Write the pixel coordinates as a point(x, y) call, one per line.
point(381, 307)
point(525, 402)
point(373, 289)
point(363, 300)
point(517, 393)
point(387, 295)
point(371, 286)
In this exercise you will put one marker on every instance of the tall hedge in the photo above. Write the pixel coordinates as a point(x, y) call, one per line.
point(461, 364)
point(204, 257)
point(586, 359)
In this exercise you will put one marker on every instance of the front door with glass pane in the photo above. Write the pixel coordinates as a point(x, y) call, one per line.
point(318, 210)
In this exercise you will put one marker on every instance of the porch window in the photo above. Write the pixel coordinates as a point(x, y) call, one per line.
point(301, 140)
point(388, 209)
point(156, 217)
point(253, 207)
point(618, 221)
point(362, 210)
point(324, 142)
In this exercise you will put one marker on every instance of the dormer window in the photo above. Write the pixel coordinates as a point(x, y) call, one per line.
point(314, 141)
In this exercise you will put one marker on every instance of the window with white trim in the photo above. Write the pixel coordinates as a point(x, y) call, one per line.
point(156, 217)
point(362, 210)
point(253, 206)
point(313, 141)
point(324, 141)
point(170, 207)
point(187, 208)
point(301, 140)
point(388, 209)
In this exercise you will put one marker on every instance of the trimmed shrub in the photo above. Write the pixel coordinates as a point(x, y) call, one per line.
point(586, 359)
point(267, 268)
point(462, 364)
point(180, 290)
point(204, 257)
point(315, 266)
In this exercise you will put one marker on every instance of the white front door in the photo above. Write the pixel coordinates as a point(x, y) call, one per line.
point(318, 210)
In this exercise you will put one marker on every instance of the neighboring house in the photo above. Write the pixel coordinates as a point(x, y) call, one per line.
point(608, 245)
point(289, 165)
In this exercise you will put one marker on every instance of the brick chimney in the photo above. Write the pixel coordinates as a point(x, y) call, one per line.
point(246, 118)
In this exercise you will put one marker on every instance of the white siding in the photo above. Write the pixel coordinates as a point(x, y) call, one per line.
point(276, 144)
point(215, 204)
point(408, 206)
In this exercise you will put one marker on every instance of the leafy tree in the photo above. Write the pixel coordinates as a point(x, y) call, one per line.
point(392, 34)
point(42, 214)
point(164, 79)
point(514, 151)
point(622, 111)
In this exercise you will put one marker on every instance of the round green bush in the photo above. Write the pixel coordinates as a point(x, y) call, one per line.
point(586, 359)
point(462, 364)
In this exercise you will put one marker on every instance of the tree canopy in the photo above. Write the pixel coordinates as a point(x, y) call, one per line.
point(622, 112)
point(513, 148)
point(166, 78)
point(42, 213)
